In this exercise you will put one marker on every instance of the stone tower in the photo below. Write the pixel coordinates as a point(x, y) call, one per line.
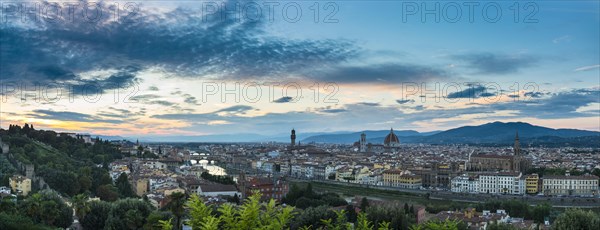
point(517, 147)
point(293, 138)
point(242, 184)
point(363, 142)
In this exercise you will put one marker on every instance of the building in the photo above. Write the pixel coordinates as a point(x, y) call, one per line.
point(502, 183)
point(532, 184)
point(473, 219)
point(293, 138)
point(586, 185)
point(493, 162)
point(86, 138)
point(270, 188)
point(141, 186)
point(20, 185)
point(439, 175)
point(401, 179)
point(391, 141)
point(465, 184)
point(363, 143)
point(215, 190)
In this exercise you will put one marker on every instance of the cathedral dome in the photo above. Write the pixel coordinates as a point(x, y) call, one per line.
point(391, 139)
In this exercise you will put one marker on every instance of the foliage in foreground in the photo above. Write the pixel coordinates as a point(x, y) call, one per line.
point(577, 219)
point(253, 214)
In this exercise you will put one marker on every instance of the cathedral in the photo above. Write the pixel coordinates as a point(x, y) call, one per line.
point(391, 143)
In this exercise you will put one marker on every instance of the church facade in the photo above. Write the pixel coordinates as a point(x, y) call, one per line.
point(493, 162)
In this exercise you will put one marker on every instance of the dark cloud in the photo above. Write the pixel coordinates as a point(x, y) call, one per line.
point(242, 109)
point(559, 105)
point(534, 94)
point(144, 97)
point(405, 101)
point(333, 110)
point(284, 100)
point(180, 41)
point(190, 100)
point(161, 102)
point(123, 79)
point(369, 103)
point(471, 92)
point(382, 73)
point(490, 63)
point(69, 116)
point(153, 88)
point(419, 107)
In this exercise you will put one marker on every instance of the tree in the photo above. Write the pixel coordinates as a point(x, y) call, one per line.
point(157, 219)
point(438, 225)
point(501, 226)
point(364, 204)
point(128, 214)
point(251, 215)
point(96, 218)
point(312, 216)
point(176, 206)
point(124, 187)
point(18, 221)
point(47, 207)
point(541, 211)
point(351, 213)
point(107, 192)
point(80, 205)
point(577, 219)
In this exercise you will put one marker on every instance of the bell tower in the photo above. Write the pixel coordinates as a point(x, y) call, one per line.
point(517, 147)
point(363, 142)
point(293, 138)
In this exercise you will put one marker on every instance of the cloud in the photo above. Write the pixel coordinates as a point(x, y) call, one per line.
point(161, 102)
point(490, 63)
point(533, 94)
point(242, 109)
point(191, 100)
point(70, 116)
point(565, 38)
point(153, 88)
point(357, 116)
point(144, 97)
point(382, 73)
point(180, 41)
point(405, 101)
point(471, 92)
point(587, 68)
point(284, 100)
point(369, 103)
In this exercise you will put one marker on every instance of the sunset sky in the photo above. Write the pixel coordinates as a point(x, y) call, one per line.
point(171, 67)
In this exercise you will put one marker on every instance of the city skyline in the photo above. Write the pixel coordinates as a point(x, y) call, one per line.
point(173, 62)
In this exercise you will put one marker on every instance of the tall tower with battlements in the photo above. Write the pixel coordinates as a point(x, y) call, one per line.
point(293, 138)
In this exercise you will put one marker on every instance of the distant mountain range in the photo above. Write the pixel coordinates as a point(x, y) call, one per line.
point(499, 132)
point(490, 133)
point(486, 134)
point(374, 136)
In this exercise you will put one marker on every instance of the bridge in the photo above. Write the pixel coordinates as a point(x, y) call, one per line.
point(207, 157)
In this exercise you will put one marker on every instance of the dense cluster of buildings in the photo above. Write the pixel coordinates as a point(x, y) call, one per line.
point(266, 167)
point(461, 169)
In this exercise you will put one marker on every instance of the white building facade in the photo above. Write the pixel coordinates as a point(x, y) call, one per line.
point(502, 183)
